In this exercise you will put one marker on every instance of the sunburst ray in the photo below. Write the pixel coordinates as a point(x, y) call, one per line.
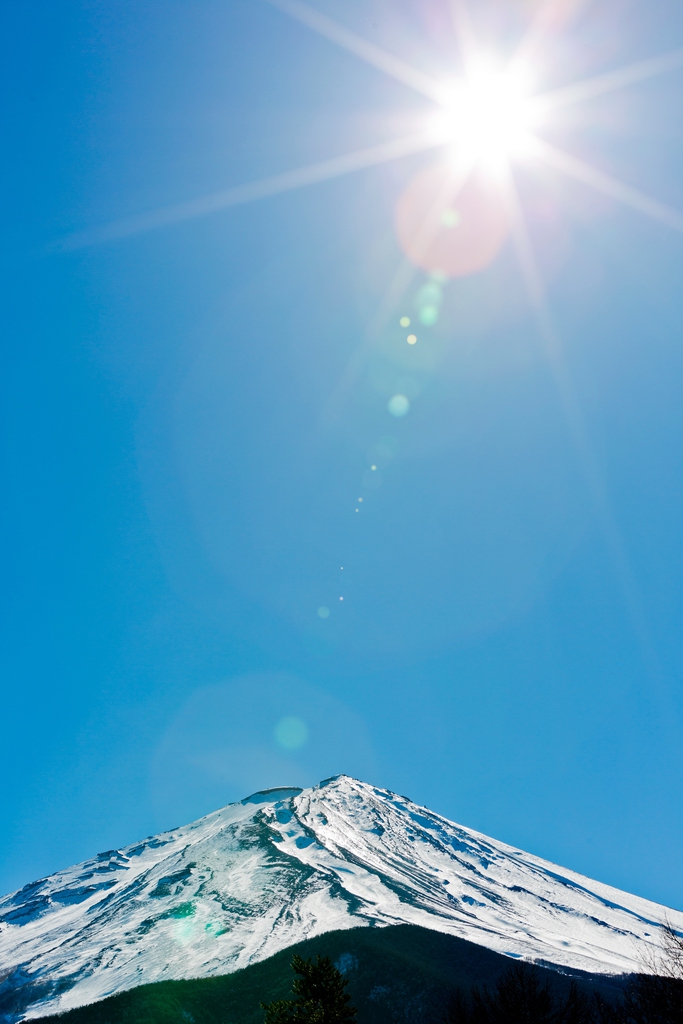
point(371, 54)
point(588, 88)
point(608, 185)
point(464, 31)
point(554, 354)
point(550, 17)
point(240, 194)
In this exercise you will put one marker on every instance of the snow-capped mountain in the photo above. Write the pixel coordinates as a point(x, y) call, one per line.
point(281, 866)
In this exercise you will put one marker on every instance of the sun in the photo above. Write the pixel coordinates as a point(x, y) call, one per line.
point(488, 117)
point(453, 216)
point(487, 120)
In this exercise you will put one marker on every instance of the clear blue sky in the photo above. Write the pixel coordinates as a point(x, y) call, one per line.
point(190, 415)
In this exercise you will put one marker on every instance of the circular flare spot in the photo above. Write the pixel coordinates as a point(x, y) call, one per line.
point(434, 238)
point(411, 339)
point(291, 733)
point(398, 405)
point(451, 218)
point(429, 315)
point(405, 321)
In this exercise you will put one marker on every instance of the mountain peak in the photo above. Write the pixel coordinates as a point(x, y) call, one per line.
point(287, 864)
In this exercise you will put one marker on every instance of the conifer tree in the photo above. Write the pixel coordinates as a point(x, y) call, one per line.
point(321, 997)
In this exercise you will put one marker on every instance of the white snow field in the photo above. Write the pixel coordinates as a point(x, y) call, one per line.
point(257, 876)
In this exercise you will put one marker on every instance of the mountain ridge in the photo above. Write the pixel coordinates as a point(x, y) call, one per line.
point(285, 865)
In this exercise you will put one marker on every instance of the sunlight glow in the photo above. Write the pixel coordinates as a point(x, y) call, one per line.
point(488, 117)
point(484, 122)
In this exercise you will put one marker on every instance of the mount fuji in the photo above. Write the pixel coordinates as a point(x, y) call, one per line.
point(285, 865)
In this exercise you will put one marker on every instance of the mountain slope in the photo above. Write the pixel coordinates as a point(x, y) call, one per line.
point(399, 973)
point(241, 884)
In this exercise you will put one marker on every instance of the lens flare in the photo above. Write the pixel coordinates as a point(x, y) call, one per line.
point(291, 732)
point(398, 405)
point(461, 245)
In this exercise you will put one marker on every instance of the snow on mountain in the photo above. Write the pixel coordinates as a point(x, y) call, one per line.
point(288, 864)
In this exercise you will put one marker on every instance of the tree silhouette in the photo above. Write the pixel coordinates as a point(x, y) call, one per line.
point(321, 997)
point(521, 996)
point(655, 997)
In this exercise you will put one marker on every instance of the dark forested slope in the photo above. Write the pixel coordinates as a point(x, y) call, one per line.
point(402, 973)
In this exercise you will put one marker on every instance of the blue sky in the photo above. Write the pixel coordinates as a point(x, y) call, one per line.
point(190, 415)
